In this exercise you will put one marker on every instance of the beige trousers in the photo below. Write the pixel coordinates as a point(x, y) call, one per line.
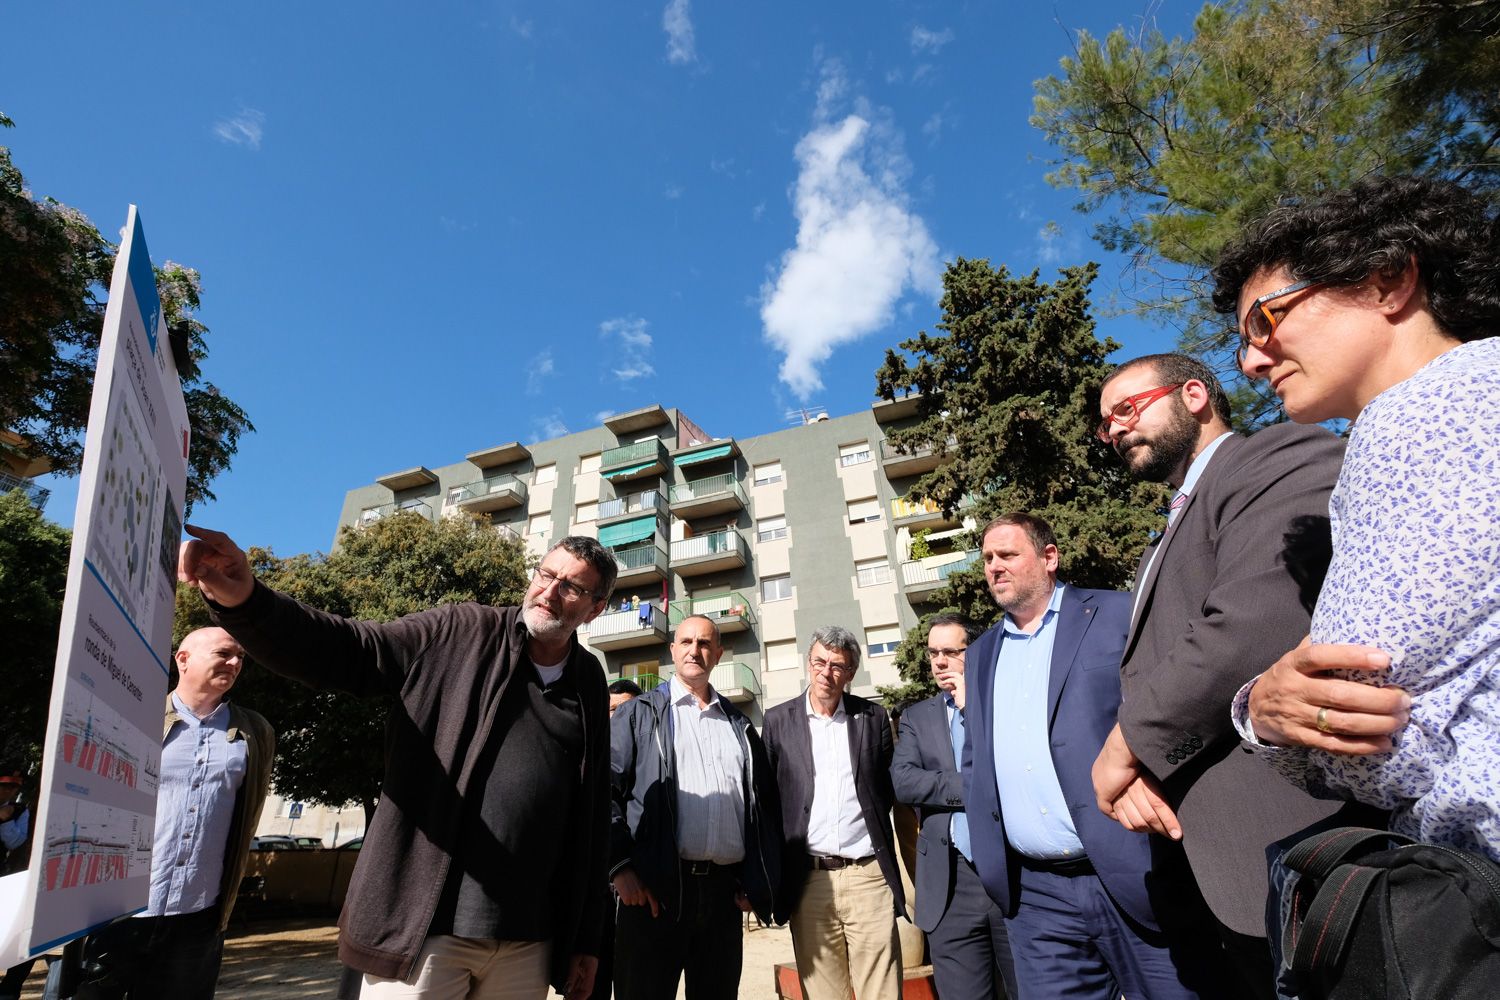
point(455, 968)
point(844, 936)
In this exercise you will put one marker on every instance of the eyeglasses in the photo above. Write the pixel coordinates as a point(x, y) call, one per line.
point(952, 654)
point(1260, 323)
point(569, 590)
point(1127, 412)
point(817, 664)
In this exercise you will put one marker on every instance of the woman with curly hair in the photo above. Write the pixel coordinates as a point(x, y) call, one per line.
point(1380, 304)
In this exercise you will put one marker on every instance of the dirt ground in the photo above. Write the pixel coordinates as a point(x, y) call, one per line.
point(296, 960)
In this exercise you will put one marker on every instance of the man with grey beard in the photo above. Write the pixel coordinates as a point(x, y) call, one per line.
point(482, 870)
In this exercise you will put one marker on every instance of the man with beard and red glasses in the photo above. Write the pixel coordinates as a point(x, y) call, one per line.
point(481, 872)
point(1227, 588)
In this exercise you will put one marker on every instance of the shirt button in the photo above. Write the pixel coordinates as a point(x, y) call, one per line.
point(1028, 767)
point(1044, 810)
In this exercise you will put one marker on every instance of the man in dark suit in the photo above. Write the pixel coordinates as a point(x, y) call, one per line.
point(1225, 590)
point(965, 929)
point(1080, 894)
point(831, 753)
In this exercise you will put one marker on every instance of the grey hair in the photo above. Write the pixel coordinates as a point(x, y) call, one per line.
point(836, 638)
point(597, 556)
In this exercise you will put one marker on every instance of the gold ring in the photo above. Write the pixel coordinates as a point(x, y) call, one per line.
point(1322, 722)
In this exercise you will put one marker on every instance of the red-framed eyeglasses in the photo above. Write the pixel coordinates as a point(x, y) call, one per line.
point(1127, 412)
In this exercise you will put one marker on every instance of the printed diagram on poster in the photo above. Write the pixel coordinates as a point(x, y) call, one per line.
point(96, 816)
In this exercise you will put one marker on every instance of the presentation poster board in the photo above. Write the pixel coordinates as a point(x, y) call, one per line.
point(91, 851)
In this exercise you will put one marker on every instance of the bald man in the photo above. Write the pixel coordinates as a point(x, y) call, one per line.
point(215, 768)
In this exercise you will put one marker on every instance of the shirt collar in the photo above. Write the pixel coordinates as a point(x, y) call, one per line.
point(1053, 603)
point(1200, 463)
point(807, 705)
point(681, 695)
point(186, 714)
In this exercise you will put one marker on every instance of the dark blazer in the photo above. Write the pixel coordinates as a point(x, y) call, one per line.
point(643, 785)
point(1083, 696)
point(926, 777)
point(788, 741)
point(1231, 589)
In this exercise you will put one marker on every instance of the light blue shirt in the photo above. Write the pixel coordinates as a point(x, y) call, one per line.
point(201, 771)
point(1037, 821)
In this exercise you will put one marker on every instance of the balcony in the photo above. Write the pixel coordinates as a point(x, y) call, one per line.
point(705, 497)
point(34, 493)
point(640, 564)
point(643, 626)
point(926, 514)
point(407, 479)
point(896, 464)
point(709, 553)
point(737, 681)
point(647, 681)
point(485, 496)
point(922, 578)
point(372, 514)
point(624, 508)
point(634, 461)
point(730, 612)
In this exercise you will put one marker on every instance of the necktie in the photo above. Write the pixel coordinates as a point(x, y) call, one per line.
point(1177, 501)
point(959, 828)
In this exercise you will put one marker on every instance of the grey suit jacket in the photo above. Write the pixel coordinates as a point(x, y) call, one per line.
point(1231, 589)
point(926, 777)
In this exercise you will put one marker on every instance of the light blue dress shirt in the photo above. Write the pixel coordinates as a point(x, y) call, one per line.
point(1037, 821)
point(201, 771)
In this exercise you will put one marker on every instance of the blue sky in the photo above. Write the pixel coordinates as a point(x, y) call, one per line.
point(425, 230)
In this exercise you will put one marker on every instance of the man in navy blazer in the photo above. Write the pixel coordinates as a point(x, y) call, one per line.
point(965, 929)
point(1079, 893)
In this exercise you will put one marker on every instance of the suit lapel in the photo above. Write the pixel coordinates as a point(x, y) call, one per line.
point(1074, 615)
point(856, 730)
point(938, 732)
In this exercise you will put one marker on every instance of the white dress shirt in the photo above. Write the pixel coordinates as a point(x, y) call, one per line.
point(836, 825)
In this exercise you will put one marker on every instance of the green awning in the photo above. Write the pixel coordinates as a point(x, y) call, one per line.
point(612, 473)
point(615, 535)
point(706, 455)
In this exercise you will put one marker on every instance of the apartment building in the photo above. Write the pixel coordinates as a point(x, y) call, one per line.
point(770, 536)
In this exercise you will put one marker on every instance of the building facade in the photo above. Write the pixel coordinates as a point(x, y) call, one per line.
point(770, 536)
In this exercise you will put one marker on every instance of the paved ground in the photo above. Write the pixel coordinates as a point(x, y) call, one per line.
point(296, 960)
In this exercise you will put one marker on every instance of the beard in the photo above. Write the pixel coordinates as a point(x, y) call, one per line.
point(543, 624)
point(1156, 459)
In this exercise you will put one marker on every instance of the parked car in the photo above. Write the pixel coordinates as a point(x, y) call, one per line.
point(273, 842)
point(352, 845)
point(309, 843)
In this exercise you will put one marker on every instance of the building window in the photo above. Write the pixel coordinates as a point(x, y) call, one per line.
point(545, 474)
point(586, 512)
point(872, 572)
point(782, 656)
point(769, 529)
point(882, 640)
point(767, 474)
point(588, 463)
point(854, 454)
point(540, 525)
point(861, 511)
point(776, 588)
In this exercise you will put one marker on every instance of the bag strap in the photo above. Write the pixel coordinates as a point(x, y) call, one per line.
point(1318, 855)
point(1325, 932)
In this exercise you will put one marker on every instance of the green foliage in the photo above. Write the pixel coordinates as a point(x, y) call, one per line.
point(1180, 142)
point(33, 575)
point(1010, 385)
point(55, 269)
point(331, 745)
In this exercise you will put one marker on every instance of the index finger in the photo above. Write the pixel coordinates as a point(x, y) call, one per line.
point(1314, 658)
point(215, 539)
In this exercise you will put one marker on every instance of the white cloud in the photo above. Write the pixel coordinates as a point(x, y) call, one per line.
point(537, 371)
point(244, 129)
point(927, 40)
point(758, 211)
point(522, 28)
point(548, 426)
point(1054, 245)
point(932, 128)
point(859, 247)
point(672, 192)
point(632, 347)
point(678, 24)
